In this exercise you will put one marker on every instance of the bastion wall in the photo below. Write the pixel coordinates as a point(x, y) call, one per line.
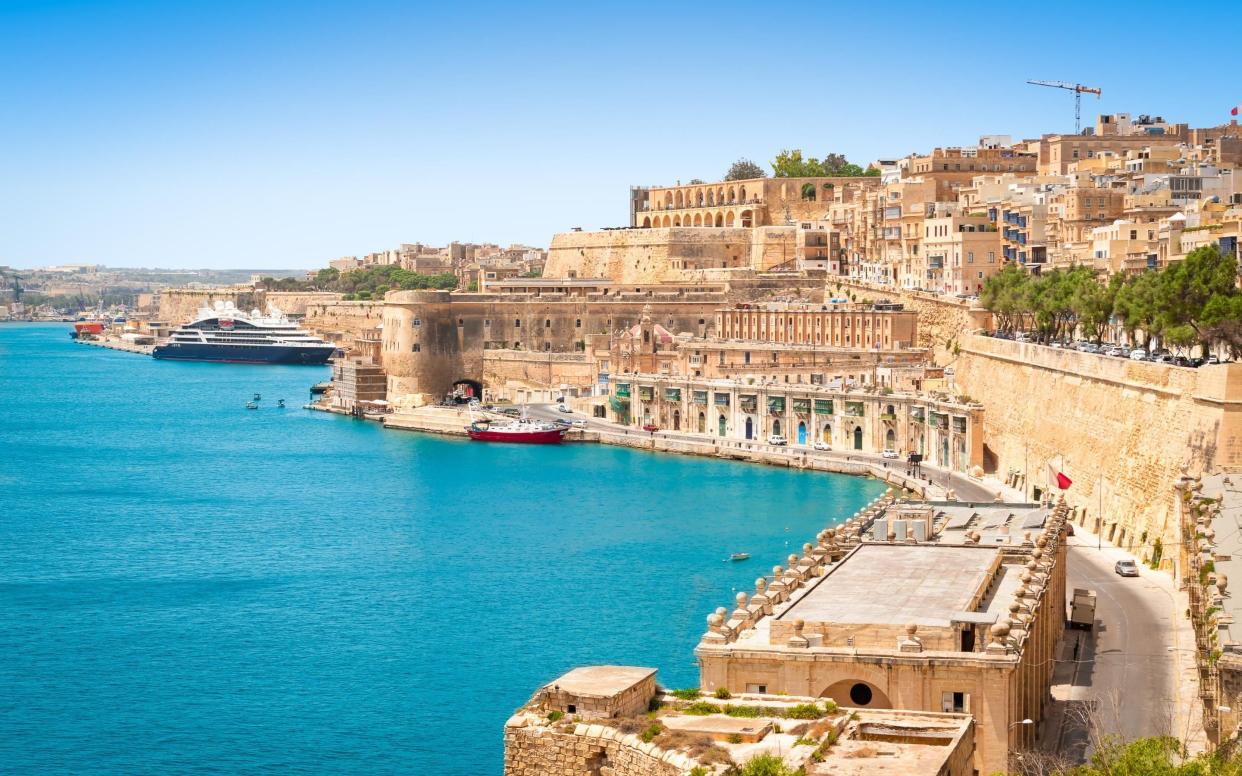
point(432, 339)
point(574, 749)
point(1126, 430)
point(645, 255)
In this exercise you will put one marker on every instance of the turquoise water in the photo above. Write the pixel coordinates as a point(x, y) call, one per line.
point(190, 587)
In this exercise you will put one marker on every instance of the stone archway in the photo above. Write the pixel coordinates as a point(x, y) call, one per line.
point(890, 440)
point(677, 420)
point(702, 423)
point(858, 694)
point(647, 222)
point(858, 440)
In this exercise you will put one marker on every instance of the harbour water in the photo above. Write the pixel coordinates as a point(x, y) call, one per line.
point(189, 586)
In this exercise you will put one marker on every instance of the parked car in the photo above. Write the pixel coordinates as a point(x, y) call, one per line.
point(1126, 568)
point(578, 423)
point(1138, 354)
point(1213, 359)
point(777, 439)
point(563, 408)
point(1117, 351)
point(1197, 362)
point(822, 446)
point(651, 427)
point(890, 453)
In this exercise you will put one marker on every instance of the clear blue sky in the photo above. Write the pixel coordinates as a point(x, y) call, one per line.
point(285, 134)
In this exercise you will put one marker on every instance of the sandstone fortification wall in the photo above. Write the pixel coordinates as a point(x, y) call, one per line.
point(343, 322)
point(298, 302)
point(645, 255)
point(181, 305)
point(1126, 430)
point(533, 748)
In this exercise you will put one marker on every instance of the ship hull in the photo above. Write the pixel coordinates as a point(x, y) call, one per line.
point(549, 437)
point(234, 354)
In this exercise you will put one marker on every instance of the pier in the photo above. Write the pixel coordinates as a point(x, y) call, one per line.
point(114, 343)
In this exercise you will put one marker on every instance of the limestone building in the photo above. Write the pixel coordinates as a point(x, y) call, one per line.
point(952, 625)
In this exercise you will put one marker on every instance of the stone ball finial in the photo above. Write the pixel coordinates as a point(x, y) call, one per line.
point(798, 625)
point(761, 584)
point(741, 600)
point(792, 559)
point(1025, 577)
point(1000, 631)
point(723, 612)
point(1222, 582)
point(892, 536)
point(912, 629)
point(1037, 554)
point(714, 620)
point(777, 571)
point(1031, 565)
point(1041, 541)
point(806, 548)
point(1014, 607)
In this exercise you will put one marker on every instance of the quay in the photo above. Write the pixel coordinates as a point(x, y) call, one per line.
point(115, 343)
point(937, 484)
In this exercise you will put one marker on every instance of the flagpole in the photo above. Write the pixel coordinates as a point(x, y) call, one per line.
point(1099, 534)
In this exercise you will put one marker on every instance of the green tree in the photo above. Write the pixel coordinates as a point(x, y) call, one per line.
point(744, 170)
point(1186, 289)
point(790, 164)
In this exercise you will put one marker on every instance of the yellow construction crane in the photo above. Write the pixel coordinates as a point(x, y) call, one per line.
point(1079, 90)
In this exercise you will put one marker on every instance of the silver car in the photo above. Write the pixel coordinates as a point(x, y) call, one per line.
point(1126, 568)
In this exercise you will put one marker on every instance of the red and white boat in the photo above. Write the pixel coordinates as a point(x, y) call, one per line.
point(522, 430)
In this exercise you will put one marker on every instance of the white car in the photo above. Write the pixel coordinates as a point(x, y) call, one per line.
point(777, 439)
point(822, 446)
point(890, 454)
point(563, 408)
point(1138, 355)
point(578, 423)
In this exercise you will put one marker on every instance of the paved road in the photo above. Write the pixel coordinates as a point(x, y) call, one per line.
point(1125, 680)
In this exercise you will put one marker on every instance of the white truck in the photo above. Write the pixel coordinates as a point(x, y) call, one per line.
point(1082, 609)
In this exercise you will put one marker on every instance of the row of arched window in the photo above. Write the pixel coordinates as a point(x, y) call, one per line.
point(723, 218)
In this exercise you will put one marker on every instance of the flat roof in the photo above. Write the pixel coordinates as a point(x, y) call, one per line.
point(601, 681)
point(895, 584)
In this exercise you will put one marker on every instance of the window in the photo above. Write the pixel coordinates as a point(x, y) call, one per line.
point(746, 358)
point(461, 321)
point(417, 322)
point(578, 323)
point(417, 348)
point(860, 694)
point(970, 257)
point(759, 688)
point(487, 322)
point(517, 323)
point(547, 323)
point(991, 257)
point(955, 702)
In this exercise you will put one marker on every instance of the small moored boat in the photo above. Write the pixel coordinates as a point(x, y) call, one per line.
point(739, 556)
point(522, 430)
point(251, 405)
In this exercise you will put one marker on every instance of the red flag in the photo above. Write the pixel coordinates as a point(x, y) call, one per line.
point(1234, 112)
point(1063, 482)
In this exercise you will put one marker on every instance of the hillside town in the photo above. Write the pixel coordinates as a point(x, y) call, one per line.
point(888, 322)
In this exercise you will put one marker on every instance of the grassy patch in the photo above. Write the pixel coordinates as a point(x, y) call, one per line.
point(702, 708)
point(686, 694)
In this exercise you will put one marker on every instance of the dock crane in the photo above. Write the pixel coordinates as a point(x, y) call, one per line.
point(1079, 90)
